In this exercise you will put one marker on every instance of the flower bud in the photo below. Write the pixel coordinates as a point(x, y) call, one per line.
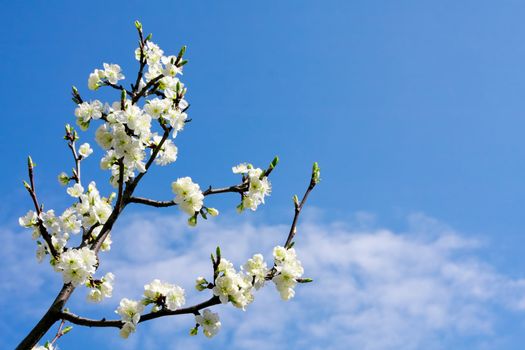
point(201, 284)
point(192, 221)
point(316, 173)
point(63, 178)
point(212, 211)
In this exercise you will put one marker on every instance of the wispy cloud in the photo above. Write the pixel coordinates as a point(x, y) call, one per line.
point(374, 288)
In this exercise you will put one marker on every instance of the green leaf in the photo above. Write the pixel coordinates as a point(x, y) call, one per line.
point(304, 280)
point(181, 52)
point(274, 162)
point(218, 252)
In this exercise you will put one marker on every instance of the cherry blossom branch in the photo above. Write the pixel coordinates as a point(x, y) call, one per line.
point(240, 188)
point(126, 189)
point(82, 321)
point(125, 194)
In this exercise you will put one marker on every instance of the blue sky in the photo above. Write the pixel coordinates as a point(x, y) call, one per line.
point(414, 110)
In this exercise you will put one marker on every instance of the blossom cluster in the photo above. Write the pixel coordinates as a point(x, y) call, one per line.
point(129, 311)
point(209, 321)
point(91, 209)
point(289, 269)
point(58, 227)
point(161, 295)
point(259, 186)
point(100, 289)
point(127, 133)
point(77, 265)
point(94, 209)
point(188, 195)
point(232, 286)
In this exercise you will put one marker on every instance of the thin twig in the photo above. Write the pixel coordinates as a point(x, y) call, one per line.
point(32, 192)
point(117, 87)
point(59, 332)
point(298, 208)
point(71, 145)
point(141, 93)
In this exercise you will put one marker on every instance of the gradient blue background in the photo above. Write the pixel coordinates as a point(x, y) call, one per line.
point(407, 105)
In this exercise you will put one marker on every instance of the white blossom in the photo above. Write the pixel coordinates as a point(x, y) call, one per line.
point(161, 293)
point(101, 289)
point(241, 168)
point(129, 310)
point(94, 80)
point(51, 222)
point(233, 287)
point(104, 137)
point(167, 153)
point(152, 53)
point(28, 220)
point(75, 191)
point(157, 107)
point(170, 68)
point(289, 269)
point(77, 265)
point(85, 150)
point(71, 221)
point(259, 186)
point(209, 321)
point(89, 110)
point(189, 197)
point(257, 269)
point(127, 329)
point(112, 73)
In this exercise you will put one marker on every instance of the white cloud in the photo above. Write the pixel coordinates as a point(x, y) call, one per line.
point(373, 288)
